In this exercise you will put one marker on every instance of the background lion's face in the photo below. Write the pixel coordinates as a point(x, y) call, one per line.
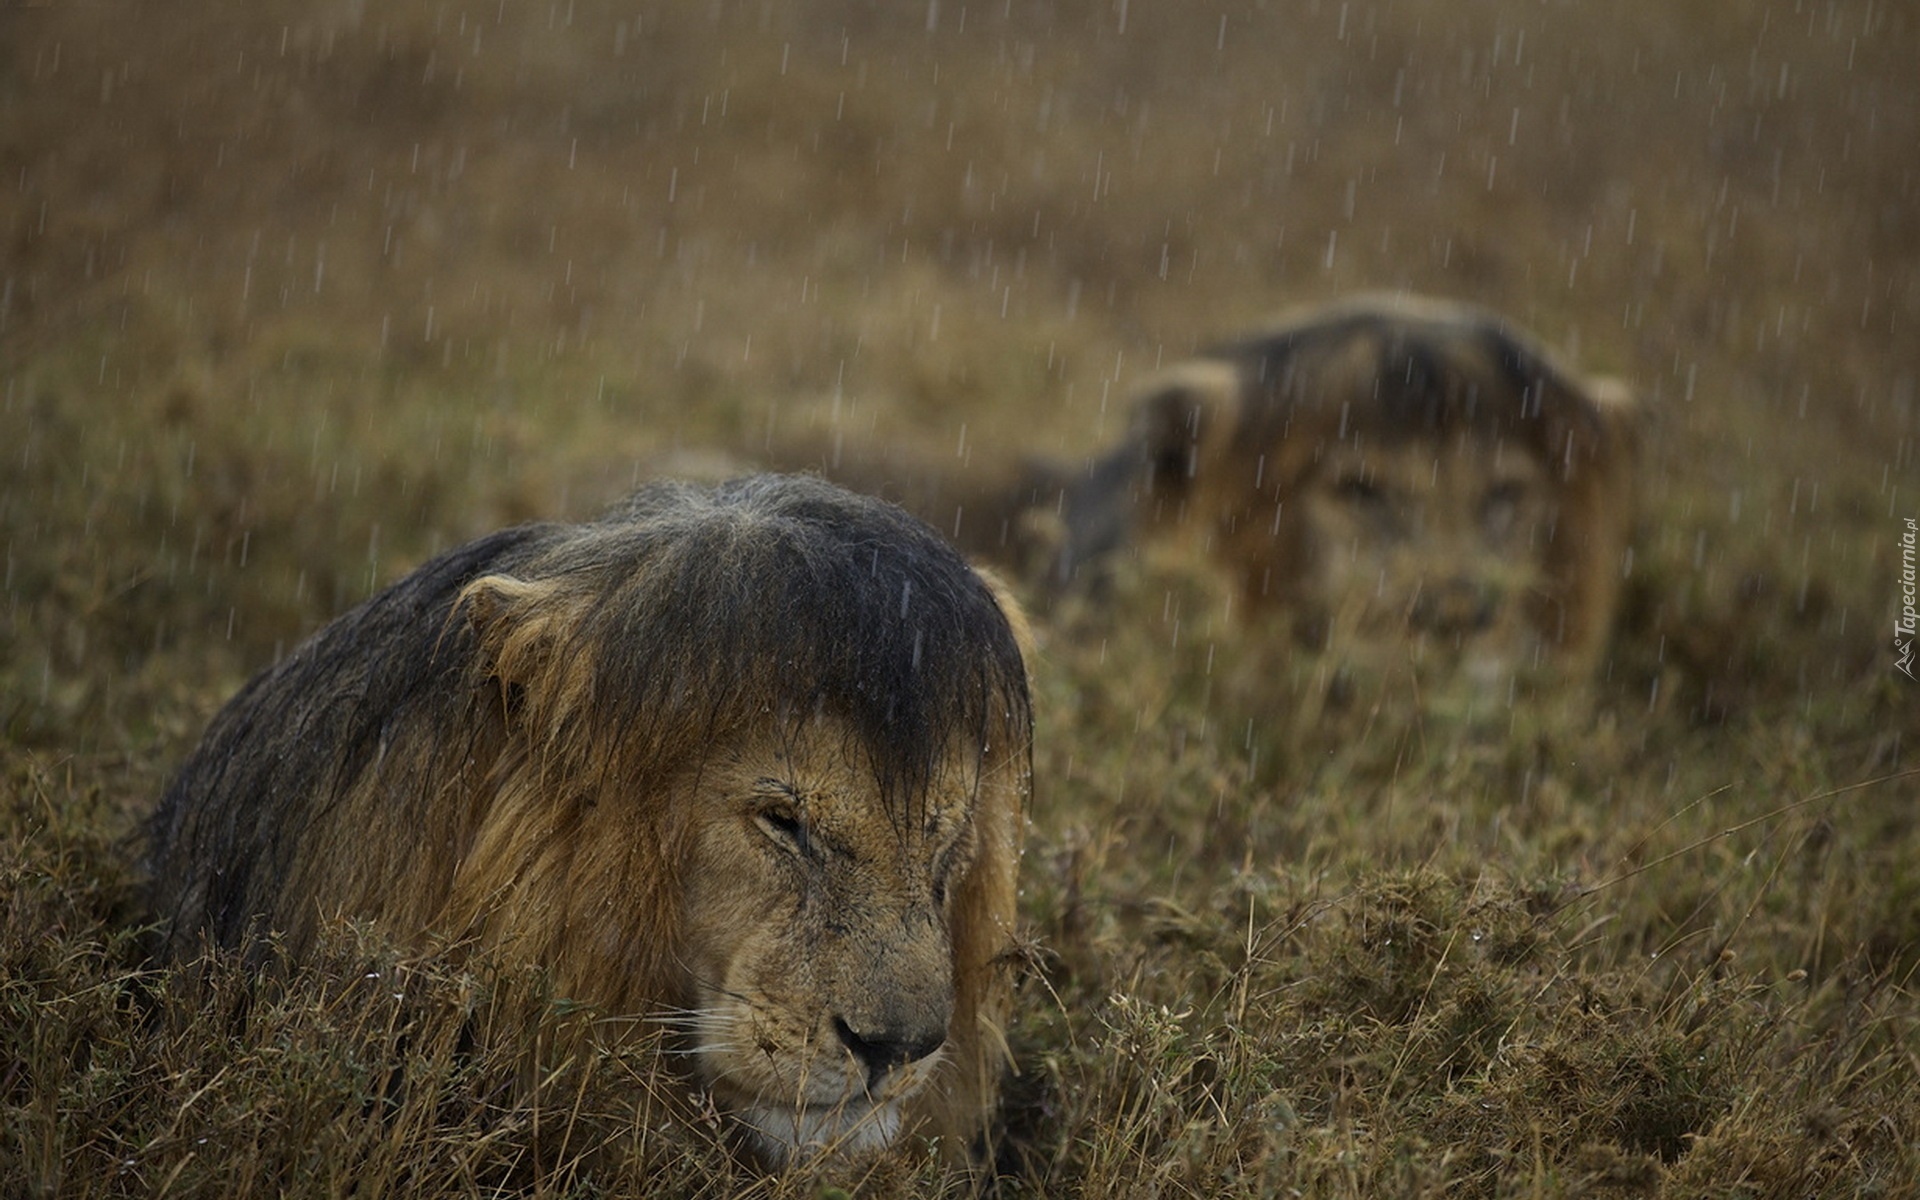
point(1413, 552)
point(818, 940)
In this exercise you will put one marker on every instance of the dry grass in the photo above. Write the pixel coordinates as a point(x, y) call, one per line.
point(296, 295)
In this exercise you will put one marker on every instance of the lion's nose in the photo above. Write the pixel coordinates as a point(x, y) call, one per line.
point(882, 1047)
point(1455, 606)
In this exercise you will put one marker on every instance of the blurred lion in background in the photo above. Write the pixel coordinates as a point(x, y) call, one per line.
point(1408, 482)
point(750, 759)
point(1407, 479)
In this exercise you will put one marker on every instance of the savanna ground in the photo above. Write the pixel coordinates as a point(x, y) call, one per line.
point(296, 294)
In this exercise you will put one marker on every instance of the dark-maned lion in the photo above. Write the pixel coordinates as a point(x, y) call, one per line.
point(752, 758)
point(1399, 475)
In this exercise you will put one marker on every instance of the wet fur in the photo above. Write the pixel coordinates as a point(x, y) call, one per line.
point(528, 740)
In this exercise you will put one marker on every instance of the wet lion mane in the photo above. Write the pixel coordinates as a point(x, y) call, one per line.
point(499, 744)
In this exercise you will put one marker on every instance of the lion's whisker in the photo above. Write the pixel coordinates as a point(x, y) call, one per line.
point(685, 1020)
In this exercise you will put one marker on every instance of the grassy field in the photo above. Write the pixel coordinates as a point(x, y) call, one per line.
point(293, 295)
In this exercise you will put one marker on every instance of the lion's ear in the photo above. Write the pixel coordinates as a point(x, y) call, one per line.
point(522, 627)
point(1620, 414)
point(1595, 429)
point(1012, 610)
point(1178, 421)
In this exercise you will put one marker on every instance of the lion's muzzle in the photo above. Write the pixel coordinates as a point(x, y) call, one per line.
point(1455, 607)
point(881, 1047)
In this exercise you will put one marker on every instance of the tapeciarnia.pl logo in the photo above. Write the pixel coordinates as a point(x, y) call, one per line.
point(1909, 618)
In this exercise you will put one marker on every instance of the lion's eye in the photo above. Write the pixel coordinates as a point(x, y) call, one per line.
point(947, 867)
point(1358, 490)
point(1500, 507)
point(784, 825)
point(942, 873)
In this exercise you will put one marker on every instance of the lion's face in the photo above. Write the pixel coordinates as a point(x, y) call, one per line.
point(818, 941)
point(1421, 552)
point(1412, 482)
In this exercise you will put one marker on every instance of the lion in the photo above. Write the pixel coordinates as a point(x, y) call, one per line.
point(1404, 478)
point(752, 760)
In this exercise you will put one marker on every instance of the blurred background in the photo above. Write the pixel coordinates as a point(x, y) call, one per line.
point(295, 293)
